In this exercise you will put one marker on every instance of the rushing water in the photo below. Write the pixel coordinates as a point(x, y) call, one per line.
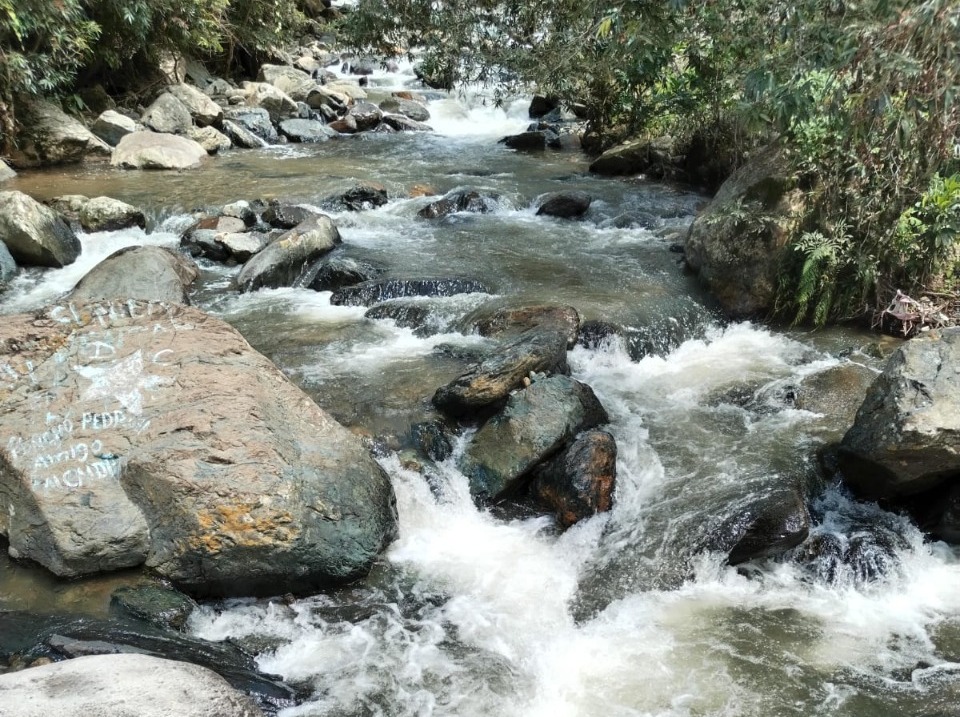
point(629, 613)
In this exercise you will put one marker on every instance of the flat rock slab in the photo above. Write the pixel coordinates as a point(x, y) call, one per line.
point(146, 432)
point(120, 686)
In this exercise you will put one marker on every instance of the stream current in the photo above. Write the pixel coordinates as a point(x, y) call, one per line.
point(472, 612)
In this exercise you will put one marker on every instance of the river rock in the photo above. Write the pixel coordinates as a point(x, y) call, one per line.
point(167, 114)
point(767, 527)
point(535, 141)
point(536, 423)
point(100, 214)
point(111, 127)
point(334, 273)
point(151, 273)
point(407, 313)
point(8, 267)
point(566, 205)
point(408, 108)
point(287, 216)
point(242, 210)
point(367, 115)
point(906, 437)
point(653, 157)
point(501, 318)
point(373, 292)
point(6, 173)
point(321, 97)
point(345, 125)
point(363, 196)
point(289, 80)
point(741, 268)
point(50, 136)
point(306, 130)
point(34, 234)
point(256, 120)
point(432, 440)
point(404, 124)
point(279, 105)
point(152, 150)
point(203, 110)
point(540, 105)
point(579, 482)
point(241, 246)
point(283, 261)
point(161, 606)
point(835, 392)
point(240, 136)
point(210, 138)
point(488, 383)
point(152, 432)
point(351, 89)
point(458, 200)
point(119, 686)
point(203, 242)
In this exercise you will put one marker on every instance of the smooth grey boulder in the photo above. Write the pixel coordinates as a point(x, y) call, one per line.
point(100, 214)
point(240, 136)
point(402, 123)
point(210, 138)
point(51, 136)
point(289, 80)
point(334, 273)
point(366, 114)
point(34, 234)
point(241, 246)
point(163, 438)
point(565, 205)
point(5, 172)
point(580, 481)
point(906, 436)
point(279, 105)
point(287, 216)
point(306, 130)
point(111, 127)
point(536, 423)
point(407, 108)
point(283, 261)
point(139, 272)
point(488, 383)
point(203, 110)
point(154, 150)
point(121, 686)
point(256, 120)
point(8, 267)
point(373, 292)
point(167, 114)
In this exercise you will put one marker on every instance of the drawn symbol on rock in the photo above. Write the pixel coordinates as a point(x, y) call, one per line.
point(124, 380)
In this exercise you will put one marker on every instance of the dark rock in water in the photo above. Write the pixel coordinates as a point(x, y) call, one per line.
point(345, 125)
point(484, 385)
point(401, 123)
point(34, 234)
point(366, 195)
point(286, 258)
point(305, 130)
point(51, 636)
point(540, 105)
point(526, 141)
point(160, 606)
point(497, 320)
point(595, 333)
point(770, 526)
point(565, 205)
point(835, 392)
point(151, 273)
point(653, 157)
point(240, 136)
point(366, 114)
point(459, 200)
point(255, 120)
point(373, 292)
point(406, 313)
point(287, 216)
point(906, 437)
point(431, 440)
point(8, 267)
point(204, 242)
point(855, 557)
point(579, 482)
point(536, 423)
point(330, 274)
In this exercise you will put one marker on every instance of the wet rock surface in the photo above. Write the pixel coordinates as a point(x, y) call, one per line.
point(580, 482)
point(373, 292)
point(286, 258)
point(148, 272)
point(35, 235)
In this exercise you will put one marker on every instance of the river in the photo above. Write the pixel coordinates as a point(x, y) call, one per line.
point(478, 612)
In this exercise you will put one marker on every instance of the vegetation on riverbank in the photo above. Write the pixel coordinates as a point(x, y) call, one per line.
point(862, 96)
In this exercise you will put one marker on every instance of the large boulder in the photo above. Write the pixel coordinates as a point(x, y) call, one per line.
point(6, 173)
point(278, 104)
point(111, 127)
point(489, 383)
point(503, 318)
point(35, 234)
point(366, 114)
point(202, 109)
point(153, 150)
point(256, 120)
point(373, 292)
point(240, 136)
point(565, 205)
point(458, 200)
point(737, 244)
point(50, 136)
point(408, 108)
point(167, 114)
point(289, 80)
point(119, 686)
point(334, 273)
point(100, 214)
point(579, 482)
point(536, 423)
point(639, 156)
point(306, 130)
point(283, 261)
point(146, 432)
point(151, 273)
point(906, 437)
point(8, 266)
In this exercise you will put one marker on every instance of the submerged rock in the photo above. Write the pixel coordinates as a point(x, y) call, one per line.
point(373, 292)
point(160, 606)
point(769, 527)
point(363, 196)
point(123, 450)
point(407, 313)
point(286, 258)
point(116, 685)
point(565, 205)
point(502, 318)
point(579, 482)
point(488, 383)
point(331, 274)
point(459, 200)
point(401, 123)
point(536, 423)
point(34, 234)
point(151, 273)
